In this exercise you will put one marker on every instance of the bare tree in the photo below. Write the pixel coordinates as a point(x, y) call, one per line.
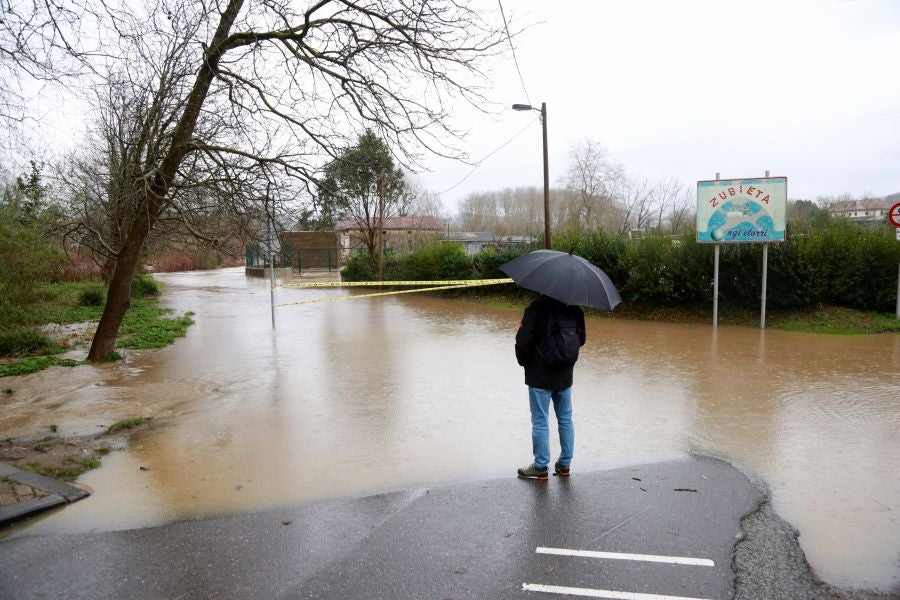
point(637, 201)
point(480, 211)
point(673, 203)
point(512, 211)
point(424, 203)
point(596, 179)
point(684, 206)
point(520, 211)
point(258, 91)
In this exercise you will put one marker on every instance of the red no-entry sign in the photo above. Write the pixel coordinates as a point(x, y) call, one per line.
point(894, 215)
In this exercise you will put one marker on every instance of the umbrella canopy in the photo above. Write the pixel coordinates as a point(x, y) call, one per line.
point(565, 277)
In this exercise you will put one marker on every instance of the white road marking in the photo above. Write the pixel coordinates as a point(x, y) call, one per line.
point(591, 593)
point(676, 560)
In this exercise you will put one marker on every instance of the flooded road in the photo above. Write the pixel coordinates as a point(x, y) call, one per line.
point(356, 397)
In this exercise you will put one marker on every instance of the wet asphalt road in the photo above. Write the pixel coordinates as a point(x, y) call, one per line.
point(504, 538)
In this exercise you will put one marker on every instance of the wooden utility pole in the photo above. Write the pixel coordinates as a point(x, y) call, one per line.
point(380, 273)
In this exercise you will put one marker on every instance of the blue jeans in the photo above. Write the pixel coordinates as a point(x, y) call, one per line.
point(540, 429)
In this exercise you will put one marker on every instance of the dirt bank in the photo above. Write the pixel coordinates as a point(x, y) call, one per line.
point(66, 457)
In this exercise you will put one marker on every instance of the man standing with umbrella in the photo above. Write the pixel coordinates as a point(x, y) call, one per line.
point(547, 346)
point(548, 340)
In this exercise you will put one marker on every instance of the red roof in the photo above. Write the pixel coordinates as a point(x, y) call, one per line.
point(402, 223)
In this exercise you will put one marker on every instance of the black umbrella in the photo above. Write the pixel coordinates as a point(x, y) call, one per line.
point(565, 277)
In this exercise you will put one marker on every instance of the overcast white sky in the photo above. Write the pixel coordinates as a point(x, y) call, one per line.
point(809, 90)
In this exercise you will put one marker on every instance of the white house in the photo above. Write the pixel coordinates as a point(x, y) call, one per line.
point(866, 210)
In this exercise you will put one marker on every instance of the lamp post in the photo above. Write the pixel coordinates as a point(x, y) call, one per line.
point(543, 111)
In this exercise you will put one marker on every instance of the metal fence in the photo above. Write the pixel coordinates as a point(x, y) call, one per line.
point(256, 257)
point(309, 259)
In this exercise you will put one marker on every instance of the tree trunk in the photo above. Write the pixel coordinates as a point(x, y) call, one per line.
point(118, 298)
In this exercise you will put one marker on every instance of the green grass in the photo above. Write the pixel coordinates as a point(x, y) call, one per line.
point(73, 302)
point(25, 340)
point(145, 325)
point(34, 364)
point(827, 319)
point(90, 463)
point(127, 424)
point(69, 472)
point(838, 321)
point(55, 303)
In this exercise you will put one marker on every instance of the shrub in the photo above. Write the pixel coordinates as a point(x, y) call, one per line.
point(787, 285)
point(93, 296)
point(599, 248)
point(848, 265)
point(358, 267)
point(444, 260)
point(145, 285)
point(456, 265)
point(692, 270)
point(27, 258)
point(487, 262)
point(24, 340)
point(740, 275)
point(649, 267)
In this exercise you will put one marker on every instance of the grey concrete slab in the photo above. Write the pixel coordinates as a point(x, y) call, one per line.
point(467, 540)
point(7, 470)
point(20, 510)
point(256, 555)
point(69, 492)
point(480, 540)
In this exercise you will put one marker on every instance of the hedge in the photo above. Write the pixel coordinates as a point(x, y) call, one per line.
point(839, 263)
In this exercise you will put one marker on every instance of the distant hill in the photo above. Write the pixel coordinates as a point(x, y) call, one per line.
point(893, 198)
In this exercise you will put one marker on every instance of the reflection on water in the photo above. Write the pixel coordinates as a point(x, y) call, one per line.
point(348, 398)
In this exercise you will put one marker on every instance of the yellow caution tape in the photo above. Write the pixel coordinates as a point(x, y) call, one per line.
point(354, 297)
point(447, 283)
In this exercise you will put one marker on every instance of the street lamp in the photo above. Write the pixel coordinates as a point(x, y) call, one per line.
point(543, 111)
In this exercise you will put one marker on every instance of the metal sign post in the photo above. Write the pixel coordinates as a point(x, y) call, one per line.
point(716, 288)
point(765, 276)
point(740, 211)
point(716, 283)
point(894, 218)
point(765, 273)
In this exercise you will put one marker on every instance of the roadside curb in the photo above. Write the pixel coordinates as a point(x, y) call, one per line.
point(54, 493)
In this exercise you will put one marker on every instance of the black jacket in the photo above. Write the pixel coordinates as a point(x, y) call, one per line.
point(531, 332)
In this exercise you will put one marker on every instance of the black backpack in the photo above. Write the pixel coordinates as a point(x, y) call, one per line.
point(561, 339)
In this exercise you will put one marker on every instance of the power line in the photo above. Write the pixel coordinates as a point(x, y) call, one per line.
point(511, 47)
point(848, 121)
point(479, 163)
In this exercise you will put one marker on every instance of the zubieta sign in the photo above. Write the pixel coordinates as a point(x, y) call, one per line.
point(741, 210)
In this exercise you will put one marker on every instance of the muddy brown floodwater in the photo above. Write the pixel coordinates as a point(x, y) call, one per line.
point(356, 397)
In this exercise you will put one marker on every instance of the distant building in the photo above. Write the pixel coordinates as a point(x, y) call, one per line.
point(312, 250)
point(401, 234)
point(864, 211)
point(476, 241)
